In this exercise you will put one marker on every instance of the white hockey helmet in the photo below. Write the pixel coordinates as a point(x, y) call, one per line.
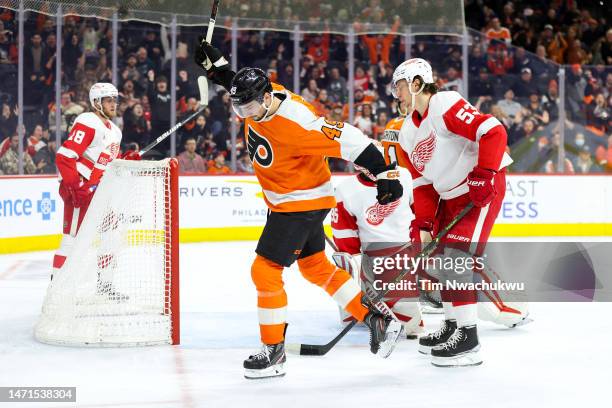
point(408, 70)
point(102, 90)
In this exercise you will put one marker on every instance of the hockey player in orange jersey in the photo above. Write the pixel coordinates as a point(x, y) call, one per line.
point(288, 144)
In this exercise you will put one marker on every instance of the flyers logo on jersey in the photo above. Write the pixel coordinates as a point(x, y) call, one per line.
point(423, 151)
point(260, 149)
point(377, 213)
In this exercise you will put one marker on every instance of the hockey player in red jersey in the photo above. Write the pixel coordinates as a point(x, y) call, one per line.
point(361, 227)
point(93, 142)
point(456, 156)
point(288, 145)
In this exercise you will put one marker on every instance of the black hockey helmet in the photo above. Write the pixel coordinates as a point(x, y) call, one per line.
point(249, 84)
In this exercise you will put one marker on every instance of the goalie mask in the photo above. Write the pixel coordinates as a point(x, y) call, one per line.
point(408, 70)
point(247, 92)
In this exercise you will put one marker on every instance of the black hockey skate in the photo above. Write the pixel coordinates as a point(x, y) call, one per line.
point(269, 362)
point(426, 343)
point(107, 290)
point(384, 333)
point(460, 350)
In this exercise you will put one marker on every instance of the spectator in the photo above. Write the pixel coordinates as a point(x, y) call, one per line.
point(482, 84)
point(337, 86)
point(606, 48)
point(322, 104)
point(45, 157)
point(9, 161)
point(36, 140)
point(8, 121)
point(131, 72)
point(499, 61)
point(378, 129)
point(136, 128)
point(509, 106)
point(218, 165)
point(556, 49)
point(576, 54)
point(160, 100)
point(598, 113)
point(285, 76)
point(497, 32)
point(207, 148)
point(201, 130)
point(362, 79)
point(311, 92)
point(365, 119)
point(584, 162)
point(550, 101)
point(477, 60)
point(526, 131)
point(454, 82)
point(535, 111)
point(318, 48)
point(220, 112)
point(244, 164)
point(68, 112)
point(525, 85)
point(71, 54)
point(189, 160)
point(379, 45)
point(35, 58)
point(8, 50)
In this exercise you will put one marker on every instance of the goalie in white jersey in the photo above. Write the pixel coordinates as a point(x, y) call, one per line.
point(93, 142)
point(363, 227)
point(456, 156)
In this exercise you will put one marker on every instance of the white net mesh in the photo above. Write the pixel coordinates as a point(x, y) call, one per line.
point(116, 287)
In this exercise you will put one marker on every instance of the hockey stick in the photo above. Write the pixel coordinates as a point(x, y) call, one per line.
point(202, 85)
point(322, 349)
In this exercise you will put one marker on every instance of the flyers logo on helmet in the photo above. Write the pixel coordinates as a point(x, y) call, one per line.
point(423, 151)
point(260, 149)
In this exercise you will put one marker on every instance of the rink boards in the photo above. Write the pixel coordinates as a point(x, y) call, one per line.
point(227, 208)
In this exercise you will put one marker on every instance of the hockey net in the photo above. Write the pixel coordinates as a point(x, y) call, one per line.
point(119, 285)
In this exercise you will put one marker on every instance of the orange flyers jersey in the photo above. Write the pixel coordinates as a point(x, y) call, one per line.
point(391, 144)
point(289, 151)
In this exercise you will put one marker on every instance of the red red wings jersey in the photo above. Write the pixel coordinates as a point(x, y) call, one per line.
point(449, 141)
point(91, 145)
point(359, 219)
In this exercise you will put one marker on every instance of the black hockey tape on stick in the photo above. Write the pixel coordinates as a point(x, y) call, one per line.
point(322, 349)
point(213, 19)
point(203, 87)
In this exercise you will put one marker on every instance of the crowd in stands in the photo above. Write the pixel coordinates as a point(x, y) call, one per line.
point(516, 51)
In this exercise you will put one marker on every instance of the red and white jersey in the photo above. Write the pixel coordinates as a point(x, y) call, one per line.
point(91, 145)
point(449, 140)
point(359, 220)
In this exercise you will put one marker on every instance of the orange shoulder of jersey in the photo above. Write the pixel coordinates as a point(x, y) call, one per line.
point(391, 144)
point(289, 153)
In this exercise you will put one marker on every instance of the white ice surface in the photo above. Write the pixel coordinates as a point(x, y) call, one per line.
point(560, 360)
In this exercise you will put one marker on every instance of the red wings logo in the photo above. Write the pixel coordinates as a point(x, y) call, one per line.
point(421, 155)
point(114, 150)
point(377, 213)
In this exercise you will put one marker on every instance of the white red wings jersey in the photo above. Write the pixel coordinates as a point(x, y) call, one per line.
point(289, 153)
point(449, 141)
point(359, 220)
point(91, 145)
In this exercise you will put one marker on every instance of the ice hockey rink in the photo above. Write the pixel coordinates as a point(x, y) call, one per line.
point(562, 359)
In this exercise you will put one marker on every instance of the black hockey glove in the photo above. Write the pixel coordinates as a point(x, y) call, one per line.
point(388, 186)
point(213, 62)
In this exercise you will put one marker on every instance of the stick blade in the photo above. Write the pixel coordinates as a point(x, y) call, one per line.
point(203, 87)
